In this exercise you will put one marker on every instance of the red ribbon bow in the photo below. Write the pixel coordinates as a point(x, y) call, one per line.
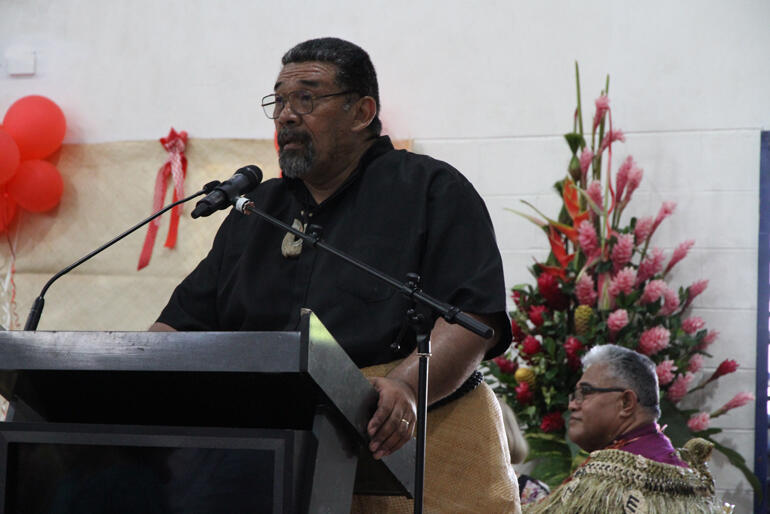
point(176, 166)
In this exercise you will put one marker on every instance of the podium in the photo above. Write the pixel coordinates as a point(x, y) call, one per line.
point(188, 422)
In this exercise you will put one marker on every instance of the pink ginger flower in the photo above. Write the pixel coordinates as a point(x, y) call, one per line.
point(699, 422)
point(602, 106)
point(739, 400)
point(587, 238)
point(708, 339)
point(665, 211)
point(652, 291)
point(634, 179)
point(670, 302)
point(654, 340)
point(623, 282)
point(622, 251)
point(680, 253)
point(693, 324)
point(585, 290)
point(650, 266)
point(622, 176)
point(586, 157)
point(594, 192)
point(617, 320)
point(643, 229)
point(611, 137)
point(679, 388)
point(665, 371)
point(696, 288)
point(695, 364)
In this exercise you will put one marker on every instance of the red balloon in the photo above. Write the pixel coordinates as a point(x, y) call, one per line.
point(9, 156)
point(37, 186)
point(7, 209)
point(37, 125)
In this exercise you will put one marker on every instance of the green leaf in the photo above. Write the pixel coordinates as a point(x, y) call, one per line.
point(677, 429)
point(575, 141)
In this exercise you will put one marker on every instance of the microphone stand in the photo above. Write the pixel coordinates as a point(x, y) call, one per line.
point(37, 307)
point(412, 291)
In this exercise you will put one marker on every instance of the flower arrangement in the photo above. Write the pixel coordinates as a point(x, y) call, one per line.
point(604, 281)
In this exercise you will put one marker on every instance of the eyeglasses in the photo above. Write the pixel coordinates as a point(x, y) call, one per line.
point(301, 102)
point(580, 393)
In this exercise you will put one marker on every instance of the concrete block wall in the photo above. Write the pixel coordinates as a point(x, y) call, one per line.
point(487, 86)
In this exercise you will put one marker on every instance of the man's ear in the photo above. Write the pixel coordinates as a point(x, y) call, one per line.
point(365, 109)
point(629, 403)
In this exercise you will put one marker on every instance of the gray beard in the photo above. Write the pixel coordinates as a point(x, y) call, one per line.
point(297, 163)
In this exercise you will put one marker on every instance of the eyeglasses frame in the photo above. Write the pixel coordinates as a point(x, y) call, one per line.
point(313, 98)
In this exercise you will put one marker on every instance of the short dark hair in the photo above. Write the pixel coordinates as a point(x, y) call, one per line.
point(355, 70)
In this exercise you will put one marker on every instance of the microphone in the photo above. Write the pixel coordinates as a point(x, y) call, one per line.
point(223, 196)
point(37, 307)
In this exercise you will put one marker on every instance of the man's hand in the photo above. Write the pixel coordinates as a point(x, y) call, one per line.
point(393, 422)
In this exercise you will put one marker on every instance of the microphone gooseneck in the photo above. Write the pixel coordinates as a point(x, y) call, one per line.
point(37, 307)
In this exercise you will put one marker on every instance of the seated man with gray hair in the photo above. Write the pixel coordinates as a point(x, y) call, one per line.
point(632, 466)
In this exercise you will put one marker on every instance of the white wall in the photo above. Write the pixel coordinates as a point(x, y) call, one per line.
point(487, 86)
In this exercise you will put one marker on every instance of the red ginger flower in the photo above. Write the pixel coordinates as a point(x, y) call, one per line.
point(622, 251)
point(587, 238)
point(650, 266)
point(552, 422)
point(634, 179)
point(622, 177)
point(739, 400)
point(680, 253)
point(585, 290)
point(586, 157)
point(523, 393)
point(617, 320)
point(530, 346)
point(611, 137)
point(665, 371)
point(695, 364)
point(594, 192)
point(670, 302)
point(695, 289)
point(536, 313)
point(643, 229)
point(679, 388)
point(699, 422)
point(653, 291)
point(654, 340)
point(506, 366)
point(665, 211)
point(572, 346)
point(549, 287)
point(726, 367)
point(693, 324)
point(602, 106)
point(708, 339)
point(623, 282)
point(518, 333)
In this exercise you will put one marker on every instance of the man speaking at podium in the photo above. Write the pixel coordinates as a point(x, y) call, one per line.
point(396, 211)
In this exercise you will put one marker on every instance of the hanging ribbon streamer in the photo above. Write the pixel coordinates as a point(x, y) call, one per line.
point(176, 167)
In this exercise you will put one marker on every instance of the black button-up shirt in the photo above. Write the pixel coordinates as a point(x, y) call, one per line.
point(398, 212)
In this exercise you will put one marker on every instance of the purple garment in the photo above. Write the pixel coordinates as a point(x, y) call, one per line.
point(649, 442)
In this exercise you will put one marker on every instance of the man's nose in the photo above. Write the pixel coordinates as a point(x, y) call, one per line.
point(287, 116)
